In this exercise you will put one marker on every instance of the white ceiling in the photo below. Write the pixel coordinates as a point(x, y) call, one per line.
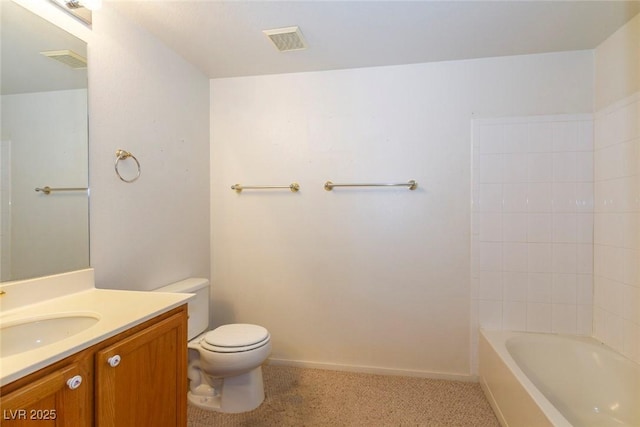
point(225, 39)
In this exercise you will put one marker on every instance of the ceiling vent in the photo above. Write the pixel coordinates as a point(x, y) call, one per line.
point(286, 39)
point(67, 57)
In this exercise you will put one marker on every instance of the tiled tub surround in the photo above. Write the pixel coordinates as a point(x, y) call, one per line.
point(617, 226)
point(532, 224)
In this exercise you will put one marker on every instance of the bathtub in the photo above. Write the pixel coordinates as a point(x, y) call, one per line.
point(534, 379)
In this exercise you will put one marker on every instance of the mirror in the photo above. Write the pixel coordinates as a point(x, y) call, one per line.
point(44, 143)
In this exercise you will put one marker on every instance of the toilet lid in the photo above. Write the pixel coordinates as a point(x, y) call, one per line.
point(236, 335)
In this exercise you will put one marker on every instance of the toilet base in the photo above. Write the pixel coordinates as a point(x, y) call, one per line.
point(241, 393)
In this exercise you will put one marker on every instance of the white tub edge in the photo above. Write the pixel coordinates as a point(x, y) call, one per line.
point(496, 341)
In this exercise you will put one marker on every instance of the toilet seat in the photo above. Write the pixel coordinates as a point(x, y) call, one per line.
point(235, 338)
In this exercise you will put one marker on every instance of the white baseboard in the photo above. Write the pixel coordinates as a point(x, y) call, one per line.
point(372, 370)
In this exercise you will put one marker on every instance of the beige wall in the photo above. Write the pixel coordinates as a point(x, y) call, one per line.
point(363, 279)
point(146, 99)
point(618, 65)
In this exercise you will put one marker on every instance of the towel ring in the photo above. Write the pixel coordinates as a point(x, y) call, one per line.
point(122, 155)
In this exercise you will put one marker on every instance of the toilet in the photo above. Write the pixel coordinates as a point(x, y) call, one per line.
point(224, 370)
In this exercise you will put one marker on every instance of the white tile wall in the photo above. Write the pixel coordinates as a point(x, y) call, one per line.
point(533, 224)
point(616, 247)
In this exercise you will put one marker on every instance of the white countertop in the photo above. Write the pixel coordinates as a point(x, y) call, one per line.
point(117, 311)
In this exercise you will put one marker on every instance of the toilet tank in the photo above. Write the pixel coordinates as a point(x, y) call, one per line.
point(198, 307)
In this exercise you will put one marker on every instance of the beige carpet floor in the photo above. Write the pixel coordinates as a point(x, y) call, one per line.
point(314, 397)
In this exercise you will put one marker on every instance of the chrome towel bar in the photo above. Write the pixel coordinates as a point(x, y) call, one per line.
point(238, 187)
point(411, 184)
point(49, 190)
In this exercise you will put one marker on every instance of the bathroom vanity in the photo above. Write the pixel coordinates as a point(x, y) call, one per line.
point(126, 369)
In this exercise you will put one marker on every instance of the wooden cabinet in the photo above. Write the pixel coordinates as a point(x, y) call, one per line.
point(61, 398)
point(138, 377)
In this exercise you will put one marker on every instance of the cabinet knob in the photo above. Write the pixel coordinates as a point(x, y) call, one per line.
point(114, 361)
point(74, 382)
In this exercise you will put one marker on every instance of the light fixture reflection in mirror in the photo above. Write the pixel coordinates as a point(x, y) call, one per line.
point(80, 9)
point(44, 142)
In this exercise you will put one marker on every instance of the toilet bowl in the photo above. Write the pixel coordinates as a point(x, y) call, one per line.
point(224, 370)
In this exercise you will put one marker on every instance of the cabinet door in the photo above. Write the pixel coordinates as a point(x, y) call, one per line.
point(62, 398)
point(142, 380)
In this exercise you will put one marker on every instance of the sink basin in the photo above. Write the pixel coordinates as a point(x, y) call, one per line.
point(28, 334)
